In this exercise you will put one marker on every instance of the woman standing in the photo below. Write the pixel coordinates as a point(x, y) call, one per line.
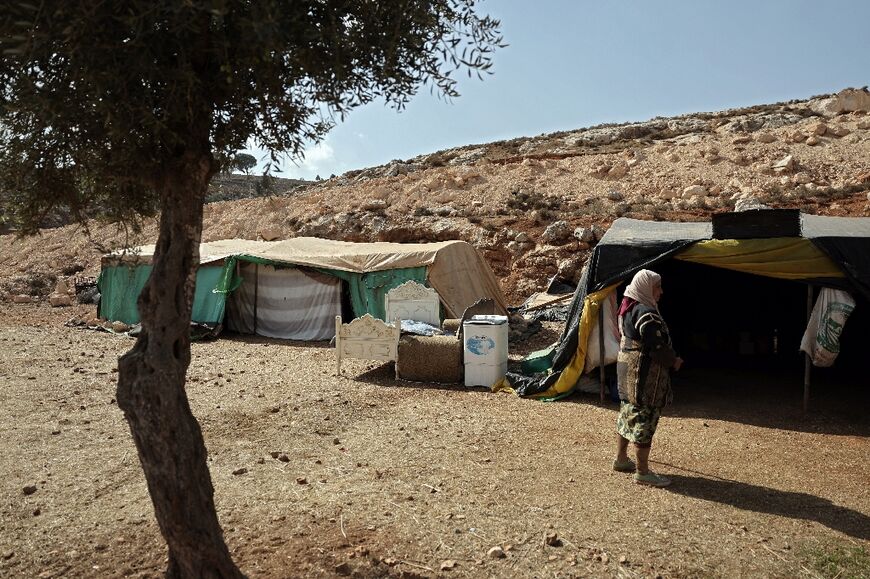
point(643, 367)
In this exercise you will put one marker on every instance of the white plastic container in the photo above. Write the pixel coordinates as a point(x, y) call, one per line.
point(485, 349)
point(484, 374)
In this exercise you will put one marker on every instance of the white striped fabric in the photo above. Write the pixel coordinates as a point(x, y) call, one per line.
point(290, 304)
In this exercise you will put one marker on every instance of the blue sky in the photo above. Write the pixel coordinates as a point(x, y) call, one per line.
point(572, 64)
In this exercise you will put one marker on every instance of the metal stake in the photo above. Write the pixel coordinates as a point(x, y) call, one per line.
point(601, 346)
point(806, 355)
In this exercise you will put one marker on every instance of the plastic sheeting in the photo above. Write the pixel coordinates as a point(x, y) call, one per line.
point(121, 285)
point(784, 258)
point(368, 290)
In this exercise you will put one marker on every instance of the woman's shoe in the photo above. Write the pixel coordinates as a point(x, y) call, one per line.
point(652, 479)
point(624, 465)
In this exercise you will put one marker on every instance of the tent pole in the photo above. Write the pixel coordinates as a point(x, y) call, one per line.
point(256, 293)
point(601, 347)
point(807, 356)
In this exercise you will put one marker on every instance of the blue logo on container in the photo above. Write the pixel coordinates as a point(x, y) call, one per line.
point(480, 345)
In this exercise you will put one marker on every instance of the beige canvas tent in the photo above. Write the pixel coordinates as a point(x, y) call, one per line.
point(368, 270)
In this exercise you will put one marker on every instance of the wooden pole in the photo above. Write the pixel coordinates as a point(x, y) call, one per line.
point(806, 355)
point(256, 293)
point(601, 347)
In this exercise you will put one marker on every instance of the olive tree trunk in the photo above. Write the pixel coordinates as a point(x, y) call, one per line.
point(151, 382)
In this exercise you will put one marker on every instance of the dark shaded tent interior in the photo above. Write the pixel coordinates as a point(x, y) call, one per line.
point(740, 335)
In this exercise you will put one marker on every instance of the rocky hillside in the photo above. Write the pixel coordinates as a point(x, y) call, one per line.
point(534, 206)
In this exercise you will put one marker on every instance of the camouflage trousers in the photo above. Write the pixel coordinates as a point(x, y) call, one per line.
point(637, 424)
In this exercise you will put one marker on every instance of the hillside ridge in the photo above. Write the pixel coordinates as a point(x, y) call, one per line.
point(533, 206)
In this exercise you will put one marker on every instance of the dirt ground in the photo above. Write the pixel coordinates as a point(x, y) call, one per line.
point(364, 476)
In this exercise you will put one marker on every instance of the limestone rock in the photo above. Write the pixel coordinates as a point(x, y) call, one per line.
point(802, 178)
point(615, 195)
point(693, 191)
point(119, 327)
point(766, 138)
point(61, 287)
point(59, 300)
point(838, 131)
point(496, 553)
point(785, 165)
point(584, 234)
point(557, 233)
point(813, 140)
point(845, 101)
point(820, 129)
point(269, 233)
point(22, 299)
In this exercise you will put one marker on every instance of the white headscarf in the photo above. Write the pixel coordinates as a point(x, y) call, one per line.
point(641, 288)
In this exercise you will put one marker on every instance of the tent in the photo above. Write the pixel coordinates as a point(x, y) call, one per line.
point(774, 243)
point(273, 284)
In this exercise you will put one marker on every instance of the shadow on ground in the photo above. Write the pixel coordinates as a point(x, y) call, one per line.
point(766, 500)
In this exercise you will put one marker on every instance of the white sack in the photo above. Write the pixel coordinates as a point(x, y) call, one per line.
point(611, 336)
point(821, 340)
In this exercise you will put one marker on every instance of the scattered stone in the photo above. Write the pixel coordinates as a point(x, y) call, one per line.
point(8, 555)
point(22, 299)
point(557, 233)
point(693, 191)
point(819, 129)
point(448, 564)
point(552, 540)
point(615, 195)
point(336, 441)
point(741, 140)
point(269, 234)
point(240, 471)
point(552, 557)
point(785, 165)
point(301, 480)
point(522, 237)
point(605, 558)
point(766, 138)
point(496, 553)
point(623, 560)
point(667, 193)
point(37, 511)
point(584, 234)
point(283, 458)
point(59, 300)
point(838, 131)
point(29, 489)
point(274, 454)
point(813, 140)
point(119, 327)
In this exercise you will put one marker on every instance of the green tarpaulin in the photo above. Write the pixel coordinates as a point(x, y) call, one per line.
point(121, 285)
